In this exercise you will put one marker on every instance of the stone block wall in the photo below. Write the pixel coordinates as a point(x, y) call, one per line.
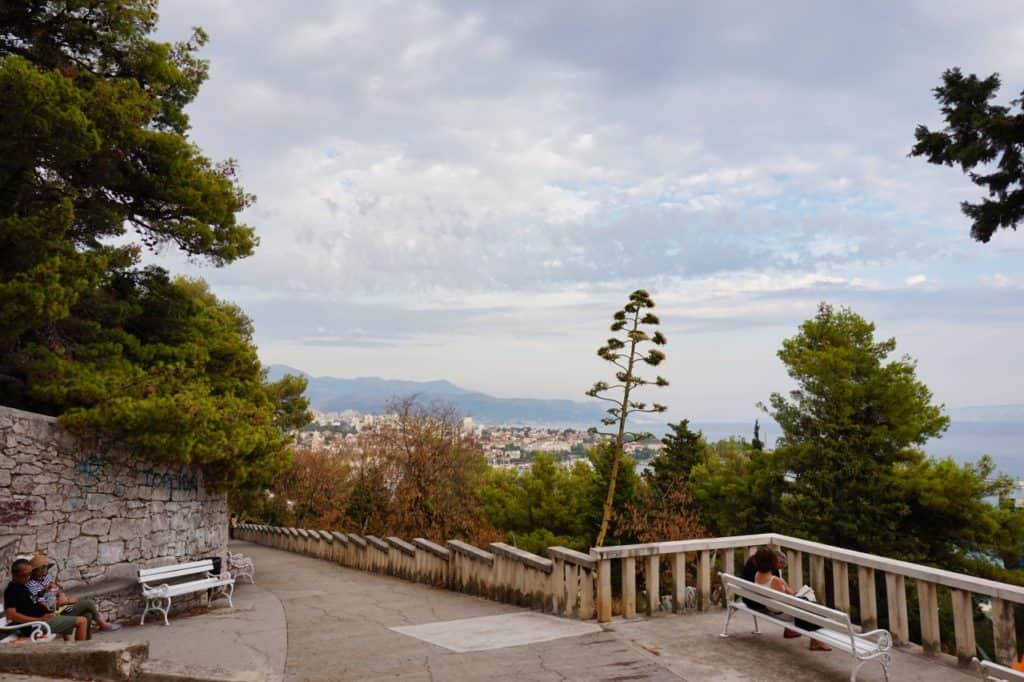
point(98, 512)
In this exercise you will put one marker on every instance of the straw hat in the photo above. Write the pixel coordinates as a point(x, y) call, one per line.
point(39, 561)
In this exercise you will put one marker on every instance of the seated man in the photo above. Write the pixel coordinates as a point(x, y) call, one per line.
point(20, 607)
point(44, 589)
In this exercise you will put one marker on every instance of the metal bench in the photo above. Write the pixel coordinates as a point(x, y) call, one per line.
point(836, 629)
point(993, 672)
point(242, 566)
point(158, 592)
point(40, 629)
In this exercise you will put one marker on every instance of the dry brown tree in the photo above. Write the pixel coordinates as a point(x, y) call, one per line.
point(435, 472)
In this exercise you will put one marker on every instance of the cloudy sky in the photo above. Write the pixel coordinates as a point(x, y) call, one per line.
point(468, 190)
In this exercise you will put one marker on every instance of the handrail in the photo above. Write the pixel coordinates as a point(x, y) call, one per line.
point(939, 576)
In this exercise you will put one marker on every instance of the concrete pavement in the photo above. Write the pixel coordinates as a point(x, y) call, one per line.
point(308, 619)
point(340, 627)
point(252, 636)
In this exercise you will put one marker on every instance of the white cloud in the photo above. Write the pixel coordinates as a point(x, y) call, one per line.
point(486, 168)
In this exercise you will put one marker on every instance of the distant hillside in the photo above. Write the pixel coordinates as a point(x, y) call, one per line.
point(371, 395)
point(988, 413)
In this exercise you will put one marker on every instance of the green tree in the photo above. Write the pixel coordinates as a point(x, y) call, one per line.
point(93, 143)
point(736, 488)
point(543, 506)
point(682, 449)
point(627, 354)
point(852, 418)
point(981, 134)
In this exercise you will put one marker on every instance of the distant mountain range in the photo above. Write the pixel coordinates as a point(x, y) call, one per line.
point(371, 395)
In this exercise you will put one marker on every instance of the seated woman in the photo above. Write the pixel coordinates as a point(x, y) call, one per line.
point(765, 560)
point(45, 591)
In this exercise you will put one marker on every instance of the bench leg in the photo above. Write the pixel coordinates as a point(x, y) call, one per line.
point(756, 630)
point(884, 661)
point(728, 617)
point(856, 669)
point(156, 604)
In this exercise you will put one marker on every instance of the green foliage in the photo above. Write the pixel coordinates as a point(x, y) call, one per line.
point(848, 470)
point(627, 493)
point(736, 488)
point(979, 133)
point(682, 449)
point(543, 506)
point(852, 419)
point(93, 142)
point(165, 367)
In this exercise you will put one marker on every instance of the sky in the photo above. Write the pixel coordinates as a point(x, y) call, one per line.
point(469, 190)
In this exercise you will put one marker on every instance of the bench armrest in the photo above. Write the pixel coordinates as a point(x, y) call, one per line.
point(155, 590)
point(882, 637)
point(40, 629)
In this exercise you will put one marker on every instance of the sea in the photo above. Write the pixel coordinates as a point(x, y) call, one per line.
point(964, 441)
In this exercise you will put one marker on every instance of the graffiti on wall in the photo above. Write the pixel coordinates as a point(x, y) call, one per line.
point(184, 480)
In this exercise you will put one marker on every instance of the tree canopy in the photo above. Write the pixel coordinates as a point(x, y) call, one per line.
point(93, 144)
point(986, 141)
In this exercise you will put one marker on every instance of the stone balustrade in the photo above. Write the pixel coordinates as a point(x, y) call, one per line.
point(578, 585)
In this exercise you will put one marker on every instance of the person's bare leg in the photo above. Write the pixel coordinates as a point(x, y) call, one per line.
point(81, 628)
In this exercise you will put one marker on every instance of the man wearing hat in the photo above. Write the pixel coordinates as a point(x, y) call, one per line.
point(20, 607)
point(45, 591)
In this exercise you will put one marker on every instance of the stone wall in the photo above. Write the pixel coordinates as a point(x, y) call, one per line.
point(99, 513)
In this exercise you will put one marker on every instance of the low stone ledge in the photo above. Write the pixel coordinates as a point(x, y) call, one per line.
point(431, 547)
point(92, 660)
point(522, 556)
point(105, 588)
point(571, 556)
point(474, 553)
point(401, 545)
point(377, 542)
point(168, 671)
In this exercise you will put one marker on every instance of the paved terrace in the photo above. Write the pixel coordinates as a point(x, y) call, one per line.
point(309, 619)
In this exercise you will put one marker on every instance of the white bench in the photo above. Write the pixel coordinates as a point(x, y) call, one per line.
point(242, 566)
point(993, 672)
point(158, 592)
point(836, 629)
point(40, 629)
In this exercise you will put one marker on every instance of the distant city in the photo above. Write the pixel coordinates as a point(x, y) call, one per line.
point(504, 446)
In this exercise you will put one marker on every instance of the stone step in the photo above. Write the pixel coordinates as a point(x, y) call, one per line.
point(155, 670)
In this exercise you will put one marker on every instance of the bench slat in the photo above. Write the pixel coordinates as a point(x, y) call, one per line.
point(150, 576)
point(792, 606)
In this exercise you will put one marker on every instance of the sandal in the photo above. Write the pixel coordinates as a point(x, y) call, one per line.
point(819, 646)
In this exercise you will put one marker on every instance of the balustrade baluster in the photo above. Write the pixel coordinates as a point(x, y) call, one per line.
point(679, 582)
point(841, 585)
point(896, 599)
point(928, 600)
point(1004, 631)
point(629, 587)
point(963, 626)
point(653, 584)
point(604, 590)
point(868, 598)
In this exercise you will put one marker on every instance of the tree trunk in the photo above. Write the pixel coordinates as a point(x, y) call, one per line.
point(613, 476)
